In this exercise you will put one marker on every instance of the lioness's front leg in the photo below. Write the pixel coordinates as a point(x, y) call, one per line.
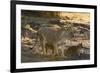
point(56, 50)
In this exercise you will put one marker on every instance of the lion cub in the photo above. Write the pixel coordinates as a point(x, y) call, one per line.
point(73, 51)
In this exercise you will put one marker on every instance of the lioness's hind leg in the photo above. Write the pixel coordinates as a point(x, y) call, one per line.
point(44, 47)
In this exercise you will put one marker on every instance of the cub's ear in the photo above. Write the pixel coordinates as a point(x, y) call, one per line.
point(80, 44)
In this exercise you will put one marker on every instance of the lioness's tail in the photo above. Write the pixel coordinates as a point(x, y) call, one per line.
point(36, 41)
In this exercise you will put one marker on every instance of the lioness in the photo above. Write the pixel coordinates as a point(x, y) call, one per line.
point(50, 37)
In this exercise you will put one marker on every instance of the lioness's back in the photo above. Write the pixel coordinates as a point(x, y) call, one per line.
point(51, 34)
